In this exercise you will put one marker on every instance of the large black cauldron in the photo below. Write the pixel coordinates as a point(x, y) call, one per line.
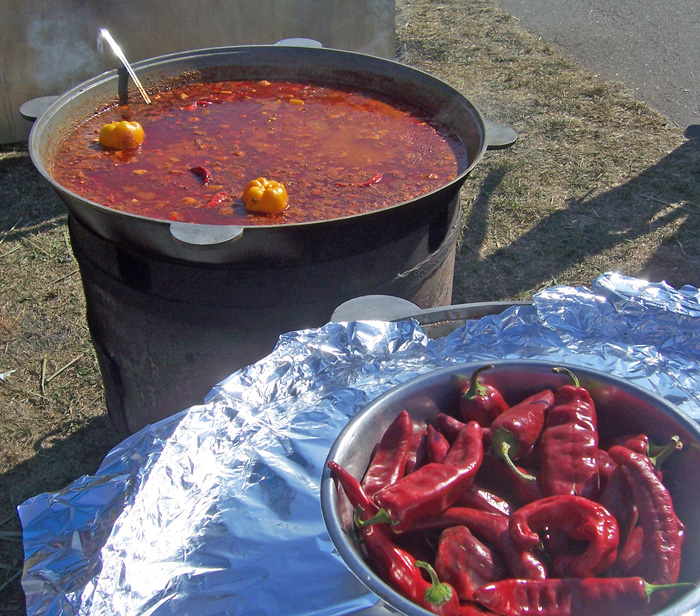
point(174, 307)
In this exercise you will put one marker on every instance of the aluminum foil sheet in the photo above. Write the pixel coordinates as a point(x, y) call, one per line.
point(215, 511)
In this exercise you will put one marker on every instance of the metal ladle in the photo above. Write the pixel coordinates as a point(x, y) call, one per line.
point(106, 36)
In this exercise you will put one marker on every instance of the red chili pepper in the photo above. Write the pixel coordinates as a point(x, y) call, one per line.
point(199, 103)
point(663, 532)
point(481, 402)
point(658, 454)
point(569, 443)
point(433, 487)
point(580, 519)
point(395, 566)
point(465, 562)
point(630, 558)
point(515, 431)
point(202, 173)
point(640, 443)
point(635, 442)
point(494, 475)
point(472, 609)
point(616, 494)
point(352, 488)
point(417, 452)
point(487, 438)
point(398, 568)
point(493, 529)
point(389, 459)
point(449, 426)
point(420, 546)
point(617, 498)
point(479, 498)
point(437, 445)
point(402, 572)
point(373, 180)
point(217, 199)
point(569, 597)
point(606, 468)
point(439, 597)
point(467, 451)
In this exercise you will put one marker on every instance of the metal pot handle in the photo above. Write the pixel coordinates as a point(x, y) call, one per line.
point(498, 136)
point(300, 42)
point(204, 235)
point(35, 108)
point(374, 308)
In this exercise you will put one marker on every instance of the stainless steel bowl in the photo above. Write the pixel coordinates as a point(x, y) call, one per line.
point(621, 406)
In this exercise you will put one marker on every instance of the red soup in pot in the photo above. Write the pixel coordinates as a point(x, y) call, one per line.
point(339, 152)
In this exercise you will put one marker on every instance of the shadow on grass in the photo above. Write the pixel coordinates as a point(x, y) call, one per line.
point(58, 461)
point(663, 199)
point(28, 200)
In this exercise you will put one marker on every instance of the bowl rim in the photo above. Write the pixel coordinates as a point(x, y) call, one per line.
point(344, 546)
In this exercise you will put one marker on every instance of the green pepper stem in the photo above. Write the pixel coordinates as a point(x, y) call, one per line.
point(381, 517)
point(503, 442)
point(357, 512)
point(658, 454)
point(476, 389)
point(650, 589)
point(439, 593)
point(574, 378)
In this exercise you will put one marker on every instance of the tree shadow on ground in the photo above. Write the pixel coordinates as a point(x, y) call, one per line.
point(613, 230)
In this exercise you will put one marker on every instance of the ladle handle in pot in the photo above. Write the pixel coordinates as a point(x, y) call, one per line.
point(498, 136)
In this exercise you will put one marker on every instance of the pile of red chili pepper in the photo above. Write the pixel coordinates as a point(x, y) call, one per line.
point(518, 509)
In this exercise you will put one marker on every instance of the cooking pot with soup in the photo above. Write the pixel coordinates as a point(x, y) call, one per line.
point(183, 283)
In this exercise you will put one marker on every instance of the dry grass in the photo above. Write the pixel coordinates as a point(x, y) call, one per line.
point(53, 426)
point(596, 182)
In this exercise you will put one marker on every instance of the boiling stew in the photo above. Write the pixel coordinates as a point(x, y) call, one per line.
point(338, 152)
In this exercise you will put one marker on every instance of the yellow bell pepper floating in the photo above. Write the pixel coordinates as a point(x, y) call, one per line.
point(122, 135)
point(265, 196)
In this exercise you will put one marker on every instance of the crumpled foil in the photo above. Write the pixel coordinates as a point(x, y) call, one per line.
point(215, 511)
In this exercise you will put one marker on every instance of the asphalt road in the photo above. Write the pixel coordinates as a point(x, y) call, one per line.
point(652, 47)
